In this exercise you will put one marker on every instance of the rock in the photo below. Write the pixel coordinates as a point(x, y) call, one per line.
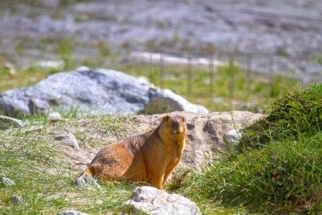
point(50, 64)
point(146, 57)
point(71, 212)
point(90, 92)
point(156, 202)
point(11, 68)
point(84, 178)
point(205, 136)
point(61, 183)
point(167, 101)
point(7, 181)
point(232, 136)
point(6, 122)
point(70, 139)
point(17, 200)
point(54, 116)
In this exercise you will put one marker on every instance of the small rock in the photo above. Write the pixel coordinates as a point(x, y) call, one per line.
point(155, 202)
point(147, 57)
point(54, 116)
point(61, 183)
point(232, 136)
point(7, 181)
point(218, 100)
point(85, 178)
point(71, 212)
point(70, 139)
point(82, 69)
point(7, 122)
point(51, 64)
point(11, 68)
point(17, 200)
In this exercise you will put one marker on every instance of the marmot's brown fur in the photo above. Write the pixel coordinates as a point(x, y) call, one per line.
point(149, 157)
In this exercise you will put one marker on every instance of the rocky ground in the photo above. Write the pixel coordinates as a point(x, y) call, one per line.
point(282, 36)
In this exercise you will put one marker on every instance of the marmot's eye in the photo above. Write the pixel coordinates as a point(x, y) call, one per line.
point(166, 118)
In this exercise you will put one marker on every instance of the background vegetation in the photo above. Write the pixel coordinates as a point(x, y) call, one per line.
point(222, 88)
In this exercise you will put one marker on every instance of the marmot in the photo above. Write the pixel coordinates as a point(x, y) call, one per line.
point(148, 157)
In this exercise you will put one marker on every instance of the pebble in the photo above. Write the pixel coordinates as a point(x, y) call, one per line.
point(7, 181)
point(17, 200)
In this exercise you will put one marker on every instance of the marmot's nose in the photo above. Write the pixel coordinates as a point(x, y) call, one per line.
point(175, 126)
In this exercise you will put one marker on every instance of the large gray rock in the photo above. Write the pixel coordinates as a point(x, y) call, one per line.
point(92, 92)
point(156, 202)
point(167, 101)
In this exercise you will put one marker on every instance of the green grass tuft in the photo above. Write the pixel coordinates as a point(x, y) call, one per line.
point(298, 113)
point(278, 168)
point(43, 168)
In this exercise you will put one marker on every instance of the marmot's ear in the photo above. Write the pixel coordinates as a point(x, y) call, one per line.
point(183, 119)
point(166, 118)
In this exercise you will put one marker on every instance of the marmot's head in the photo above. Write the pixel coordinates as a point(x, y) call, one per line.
point(174, 126)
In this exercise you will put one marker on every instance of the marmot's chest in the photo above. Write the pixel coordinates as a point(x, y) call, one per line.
point(173, 153)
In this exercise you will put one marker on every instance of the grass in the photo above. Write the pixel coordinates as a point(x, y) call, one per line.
point(296, 114)
point(317, 59)
point(278, 165)
point(43, 168)
point(199, 85)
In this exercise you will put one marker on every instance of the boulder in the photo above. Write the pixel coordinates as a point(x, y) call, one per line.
point(206, 134)
point(87, 91)
point(156, 202)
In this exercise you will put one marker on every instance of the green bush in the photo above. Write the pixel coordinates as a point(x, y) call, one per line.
point(298, 113)
point(279, 166)
point(283, 175)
